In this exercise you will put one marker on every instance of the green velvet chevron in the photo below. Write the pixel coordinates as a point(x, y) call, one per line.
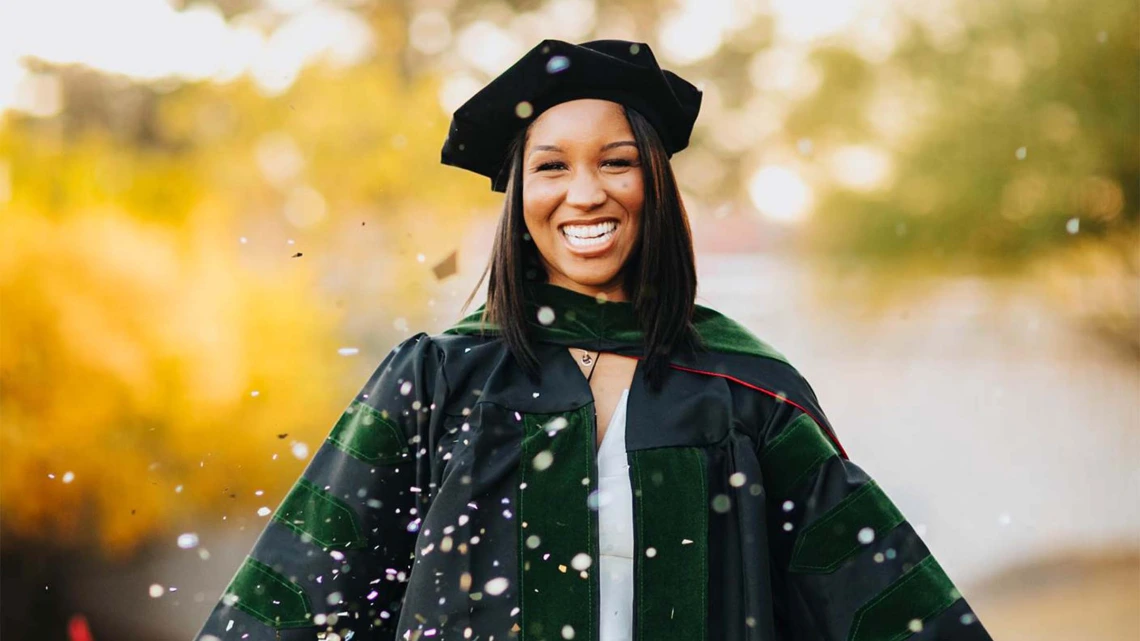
point(794, 455)
point(901, 609)
point(268, 596)
point(312, 512)
point(367, 435)
point(833, 538)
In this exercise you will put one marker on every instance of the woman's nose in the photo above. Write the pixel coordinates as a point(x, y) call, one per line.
point(585, 190)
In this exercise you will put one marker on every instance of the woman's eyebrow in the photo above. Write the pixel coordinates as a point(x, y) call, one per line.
point(607, 146)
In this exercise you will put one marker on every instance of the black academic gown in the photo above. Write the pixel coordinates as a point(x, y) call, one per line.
point(455, 499)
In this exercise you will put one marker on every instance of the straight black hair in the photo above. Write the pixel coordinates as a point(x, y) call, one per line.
point(660, 274)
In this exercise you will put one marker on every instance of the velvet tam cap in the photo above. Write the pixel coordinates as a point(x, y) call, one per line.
point(554, 72)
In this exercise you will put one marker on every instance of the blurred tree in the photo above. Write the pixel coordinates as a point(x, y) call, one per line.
point(1004, 146)
point(177, 271)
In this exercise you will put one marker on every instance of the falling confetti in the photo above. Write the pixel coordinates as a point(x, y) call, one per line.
point(524, 109)
point(556, 424)
point(721, 503)
point(188, 541)
point(1073, 225)
point(68, 477)
point(496, 586)
point(300, 451)
point(263, 511)
point(543, 459)
point(557, 64)
point(348, 351)
point(156, 590)
point(581, 561)
point(447, 266)
point(545, 315)
point(866, 535)
point(1020, 153)
point(283, 435)
point(298, 255)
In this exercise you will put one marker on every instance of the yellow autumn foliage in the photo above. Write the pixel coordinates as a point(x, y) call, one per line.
point(171, 307)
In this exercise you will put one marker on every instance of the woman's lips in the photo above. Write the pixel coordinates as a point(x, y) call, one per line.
point(590, 247)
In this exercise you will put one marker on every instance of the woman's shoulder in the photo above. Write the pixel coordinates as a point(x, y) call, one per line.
point(722, 334)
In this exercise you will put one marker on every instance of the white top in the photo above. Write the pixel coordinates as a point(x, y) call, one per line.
point(615, 530)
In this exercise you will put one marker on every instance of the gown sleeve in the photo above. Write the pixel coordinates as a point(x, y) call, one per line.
point(846, 564)
point(333, 560)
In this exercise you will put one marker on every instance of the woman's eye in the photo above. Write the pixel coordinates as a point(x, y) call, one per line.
point(617, 162)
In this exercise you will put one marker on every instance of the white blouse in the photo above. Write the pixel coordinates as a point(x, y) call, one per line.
point(615, 530)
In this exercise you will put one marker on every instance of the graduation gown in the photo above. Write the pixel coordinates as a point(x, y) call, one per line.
point(455, 498)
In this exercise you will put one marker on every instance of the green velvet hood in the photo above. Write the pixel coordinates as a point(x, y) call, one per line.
point(559, 315)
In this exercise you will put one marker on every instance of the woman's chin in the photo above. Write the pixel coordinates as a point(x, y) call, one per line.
point(591, 281)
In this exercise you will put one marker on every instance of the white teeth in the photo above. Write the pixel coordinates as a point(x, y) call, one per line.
point(576, 241)
point(589, 231)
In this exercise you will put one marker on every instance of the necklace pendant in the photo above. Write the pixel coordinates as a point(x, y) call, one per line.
point(586, 358)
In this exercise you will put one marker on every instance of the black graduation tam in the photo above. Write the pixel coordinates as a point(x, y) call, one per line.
point(554, 72)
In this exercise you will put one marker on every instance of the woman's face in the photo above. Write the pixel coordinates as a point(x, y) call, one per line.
point(583, 194)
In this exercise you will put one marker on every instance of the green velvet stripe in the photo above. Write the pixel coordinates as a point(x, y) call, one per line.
point(312, 512)
point(835, 537)
point(671, 506)
point(367, 435)
point(268, 596)
point(901, 609)
point(558, 552)
point(795, 454)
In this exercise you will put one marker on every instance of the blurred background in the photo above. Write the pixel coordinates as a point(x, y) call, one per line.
point(218, 217)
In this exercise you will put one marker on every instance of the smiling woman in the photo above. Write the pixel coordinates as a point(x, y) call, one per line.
point(590, 195)
point(590, 455)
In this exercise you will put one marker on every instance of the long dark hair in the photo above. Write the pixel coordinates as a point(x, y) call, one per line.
point(660, 274)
